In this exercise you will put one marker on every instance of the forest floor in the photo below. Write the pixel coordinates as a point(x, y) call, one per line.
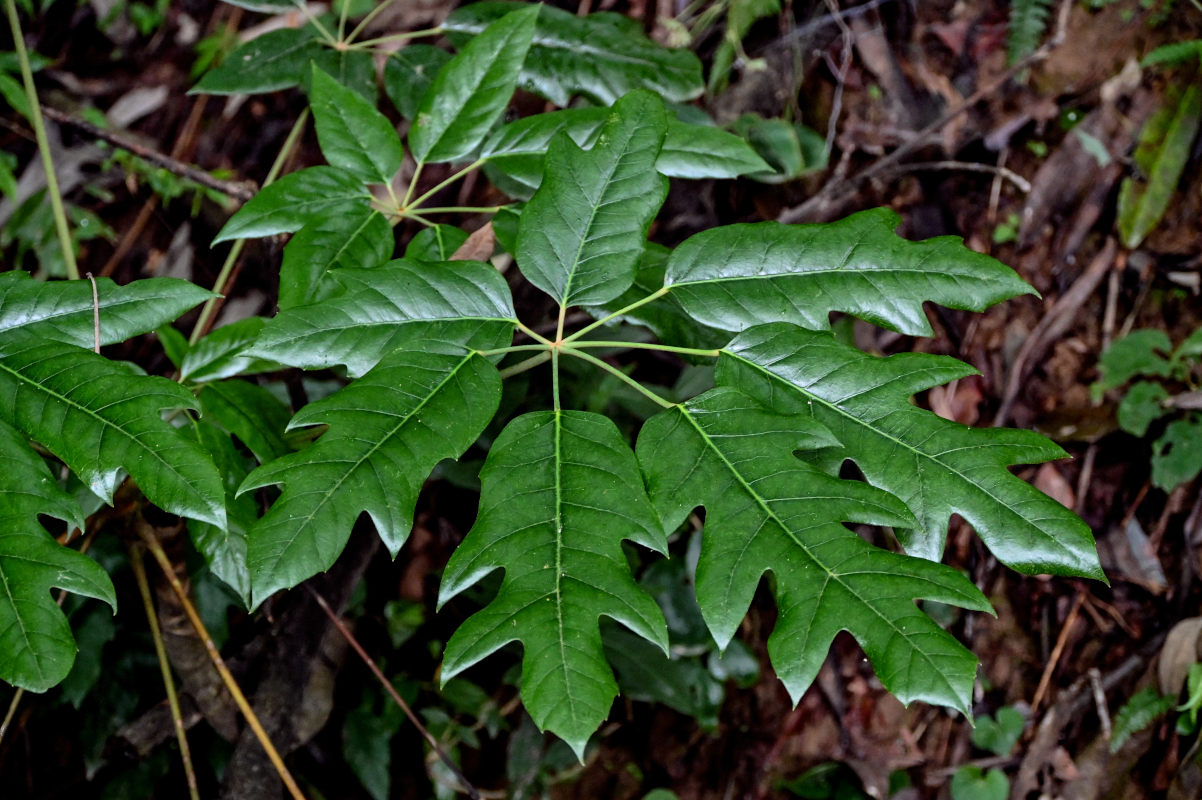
point(921, 111)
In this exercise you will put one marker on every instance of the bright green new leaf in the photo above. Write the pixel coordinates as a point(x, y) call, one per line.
point(1161, 155)
point(561, 491)
point(470, 301)
point(581, 235)
point(409, 72)
point(298, 199)
point(387, 432)
point(769, 511)
point(101, 417)
point(36, 646)
point(472, 90)
point(353, 135)
point(514, 153)
point(251, 413)
point(937, 467)
point(737, 276)
point(597, 56)
point(220, 353)
point(338, 241)
point(1177, 454)
point(64, 310)
point(276, 60)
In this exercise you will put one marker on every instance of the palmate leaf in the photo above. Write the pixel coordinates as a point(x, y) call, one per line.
point(470, 300)
point(767, 510)
point(738, 276)
point(472, 90)
point(936, 466)
point(561, 490)
point(100, 417)
point(601, 56)
point(581, 234)
point(64, 310)
point(36, 646)
point(387, 432)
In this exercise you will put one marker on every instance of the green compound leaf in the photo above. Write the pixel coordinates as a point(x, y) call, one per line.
point(580, 236)
point(387, 432)
point(63, 310)
point(296, 200)
point(514, 153)
point(598, 56)
point(470, 301)
point(219, 354)
point(100, 417)
point(1161, 156)
point(353, 135)
point(737, 276)
point(36, 646)
point(341, 241)
point(769, 511)
point(276, 60)
point(561, 490)
point(472, 90)
point(937, 467)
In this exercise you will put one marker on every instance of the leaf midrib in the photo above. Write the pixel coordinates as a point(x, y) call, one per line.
point(830, 574)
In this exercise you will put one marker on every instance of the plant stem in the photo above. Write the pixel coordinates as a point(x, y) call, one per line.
point(39, 131)
point(622, 376)
point(688, 351)
point(657, 294)
point(235, 691)
point(517, 348)
point(533, 334)
point(363, 23)
point(555, 377)
point(529, 363)
point(156, 635)
point(417, 173)
point(393, 37)
point(210, 306)
point(303, 7)
point(439, 186)
point(462, 210)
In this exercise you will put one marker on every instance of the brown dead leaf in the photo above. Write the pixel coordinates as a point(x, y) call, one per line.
point(478, 247)
point(1049, 481)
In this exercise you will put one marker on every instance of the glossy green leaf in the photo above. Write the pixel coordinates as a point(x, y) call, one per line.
point(597, 56)
point(353, 135)
point(220, 353)
point(276, 60)
point(386, 433)
point(581, 235)
point(251, 413)
point(769, 511)
point(468, 300)
point(36, 646)
point(737, 276)
point(64, 310)
point(1160, 157)
point(664, 317)
point(298, 199)
point(472, 90)
point(515, 152)
point(561, 491)
point(436, 243)
point(339, 241)
point(224, 549)
point(409, 72)
point(101, 417)
point(354, 69)
point(937, 467)
point(1177, 454)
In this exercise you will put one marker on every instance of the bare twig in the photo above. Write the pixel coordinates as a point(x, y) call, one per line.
point(446, 759)
point(834, 190)
point(238, 190)
point(1061, 640)
point(1019, 181)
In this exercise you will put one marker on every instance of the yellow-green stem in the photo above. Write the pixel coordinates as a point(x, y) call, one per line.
point(437, 187)
point(156, 635)
point(39, 132)
point(529, 363)
point(686, 351)
point(622, 376)
point(210, 306)
point(620, 312)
